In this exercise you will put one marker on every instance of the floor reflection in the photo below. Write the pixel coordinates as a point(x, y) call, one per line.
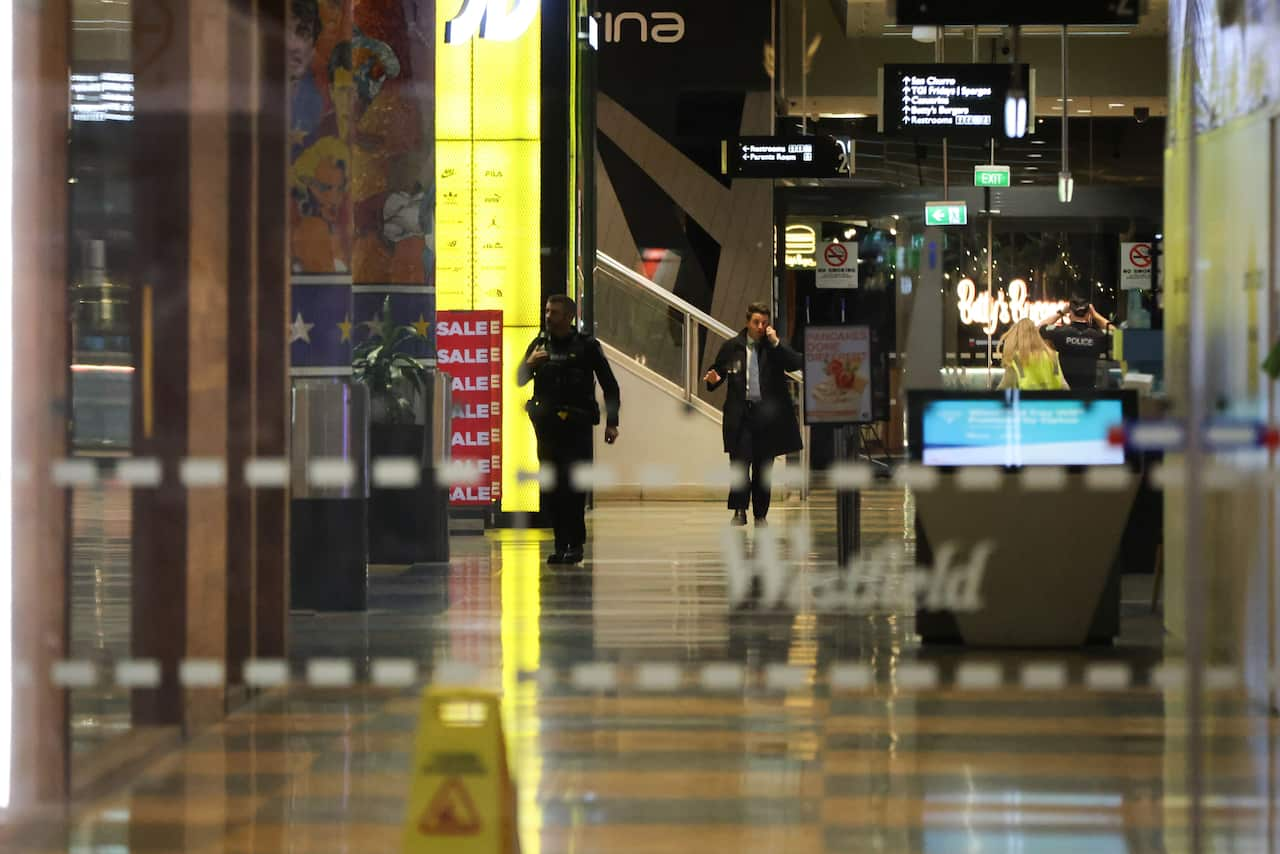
point(754, 770)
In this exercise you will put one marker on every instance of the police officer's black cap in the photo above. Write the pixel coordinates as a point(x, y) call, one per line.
point(1079, 305)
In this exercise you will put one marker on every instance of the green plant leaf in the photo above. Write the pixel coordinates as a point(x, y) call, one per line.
point(1272, 363)
point(384, 367)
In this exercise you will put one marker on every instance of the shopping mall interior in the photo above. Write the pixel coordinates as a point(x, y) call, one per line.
point(907, 526)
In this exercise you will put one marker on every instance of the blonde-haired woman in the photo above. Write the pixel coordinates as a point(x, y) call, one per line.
point(1030, 363)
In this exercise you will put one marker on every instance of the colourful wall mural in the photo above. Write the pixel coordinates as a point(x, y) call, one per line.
point(362, 178)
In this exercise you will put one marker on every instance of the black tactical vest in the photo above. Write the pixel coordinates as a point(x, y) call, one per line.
point(566, 381)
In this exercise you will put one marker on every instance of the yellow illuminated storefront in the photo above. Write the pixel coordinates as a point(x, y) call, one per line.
point(488, 194)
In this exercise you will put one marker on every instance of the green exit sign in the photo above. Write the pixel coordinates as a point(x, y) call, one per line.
point(991, 176)
point(946, 213)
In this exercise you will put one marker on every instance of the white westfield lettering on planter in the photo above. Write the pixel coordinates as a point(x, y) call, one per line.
point(661, 27)
point(875, 580)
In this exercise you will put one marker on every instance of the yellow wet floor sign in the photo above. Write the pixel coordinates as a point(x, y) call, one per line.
point(451, 813)
point(462, 799)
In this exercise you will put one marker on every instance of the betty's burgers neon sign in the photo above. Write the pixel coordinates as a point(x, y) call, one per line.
point(1001, 307)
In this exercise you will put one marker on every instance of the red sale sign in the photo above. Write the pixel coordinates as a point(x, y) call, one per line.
point(469, 350)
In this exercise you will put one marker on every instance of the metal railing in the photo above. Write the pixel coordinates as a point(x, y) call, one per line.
point(668, 336)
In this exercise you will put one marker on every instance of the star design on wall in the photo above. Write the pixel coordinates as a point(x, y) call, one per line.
point(422, 325)
point(345, 327)
point(300, 330)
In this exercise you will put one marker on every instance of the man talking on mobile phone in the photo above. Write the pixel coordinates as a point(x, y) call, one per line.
point(759, 421)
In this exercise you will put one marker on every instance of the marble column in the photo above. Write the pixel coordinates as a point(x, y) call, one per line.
point(39, 736)
point(209, 138)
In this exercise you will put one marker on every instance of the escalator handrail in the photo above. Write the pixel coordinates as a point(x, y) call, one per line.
point(617, 268)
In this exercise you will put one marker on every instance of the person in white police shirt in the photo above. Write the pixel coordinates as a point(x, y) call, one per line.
point(564, 365)
point(759, 421)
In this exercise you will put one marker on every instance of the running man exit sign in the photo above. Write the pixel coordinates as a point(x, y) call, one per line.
point(946, 213)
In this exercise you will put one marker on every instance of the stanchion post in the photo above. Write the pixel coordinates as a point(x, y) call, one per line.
point(848, 501)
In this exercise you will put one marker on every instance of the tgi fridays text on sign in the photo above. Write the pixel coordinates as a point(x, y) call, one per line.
point(469, 350)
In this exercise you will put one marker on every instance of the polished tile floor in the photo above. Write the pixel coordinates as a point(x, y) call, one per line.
point(757, 769)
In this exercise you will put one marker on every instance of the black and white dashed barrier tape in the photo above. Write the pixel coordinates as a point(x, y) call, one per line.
point(720, 677)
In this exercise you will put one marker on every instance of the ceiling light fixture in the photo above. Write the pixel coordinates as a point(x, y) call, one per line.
point(1066, 184)
point(1015, 102)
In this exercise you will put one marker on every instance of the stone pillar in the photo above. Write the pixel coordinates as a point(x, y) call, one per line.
point(39, 738)
point(209, 348)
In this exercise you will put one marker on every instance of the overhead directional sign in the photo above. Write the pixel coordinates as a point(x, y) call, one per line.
point(1017, 12)
point(946, 213)
point(952, 100)
point(783, 157)
point(990, 176)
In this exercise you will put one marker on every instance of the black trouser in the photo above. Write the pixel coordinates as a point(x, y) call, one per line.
point(562, 447)
point(755, 493)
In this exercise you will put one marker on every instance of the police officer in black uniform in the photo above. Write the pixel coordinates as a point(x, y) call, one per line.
point(564, 365)
point(1080, 343)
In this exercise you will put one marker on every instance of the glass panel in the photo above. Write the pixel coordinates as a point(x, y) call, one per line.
point(709, 344)
point(641, 325)
point(102, 376)
point(982, 645)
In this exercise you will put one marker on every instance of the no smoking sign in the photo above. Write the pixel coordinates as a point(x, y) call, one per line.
point(838, 266)
point(1140, 255)
point(1135, 266)
point(835, 255)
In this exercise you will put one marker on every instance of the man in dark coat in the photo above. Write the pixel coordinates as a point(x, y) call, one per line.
point(759, 421)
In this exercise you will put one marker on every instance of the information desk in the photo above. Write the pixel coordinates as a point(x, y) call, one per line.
point(1050, 575)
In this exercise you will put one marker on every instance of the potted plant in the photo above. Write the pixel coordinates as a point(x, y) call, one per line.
point(397, 383)
point(389, 372)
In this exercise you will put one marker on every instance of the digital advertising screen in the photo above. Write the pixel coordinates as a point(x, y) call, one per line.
point(1057, 431)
